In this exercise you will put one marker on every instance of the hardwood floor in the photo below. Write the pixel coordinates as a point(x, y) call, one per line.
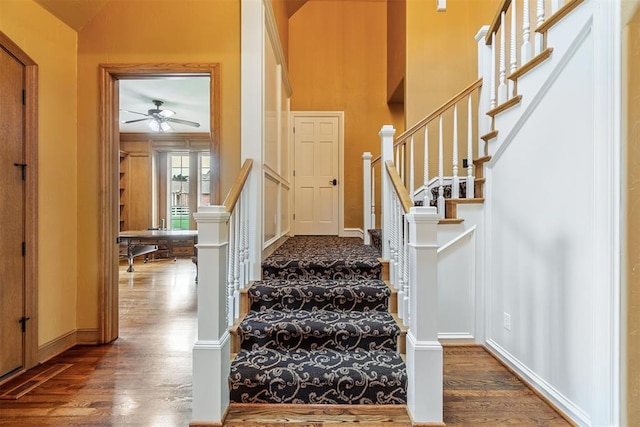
point(144, 377)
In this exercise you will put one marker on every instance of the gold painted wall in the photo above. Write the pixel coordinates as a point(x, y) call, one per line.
point(441, 51)
point(632, 261)
point(337, 62)
point(282, 21)
point(153, 31)
point(52, 45)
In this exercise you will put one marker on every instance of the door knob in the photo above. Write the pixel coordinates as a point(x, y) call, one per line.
point(334, 182)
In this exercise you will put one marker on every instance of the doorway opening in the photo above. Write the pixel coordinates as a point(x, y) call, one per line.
point(111, 76)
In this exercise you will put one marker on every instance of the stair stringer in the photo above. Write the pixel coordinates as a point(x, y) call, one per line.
point(582, 391)
point(565, 39)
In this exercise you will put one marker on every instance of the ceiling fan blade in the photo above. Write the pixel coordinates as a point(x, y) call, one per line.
point(136, 120)
point(134, 112)
point(183, 122)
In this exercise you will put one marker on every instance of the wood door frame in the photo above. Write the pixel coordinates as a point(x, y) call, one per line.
point(108, 158)
point(320, 114)
point(30, 350)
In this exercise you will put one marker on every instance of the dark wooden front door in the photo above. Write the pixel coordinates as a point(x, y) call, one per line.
point(12, 214)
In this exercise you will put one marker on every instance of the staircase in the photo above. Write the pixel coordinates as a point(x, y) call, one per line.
point(319, 329)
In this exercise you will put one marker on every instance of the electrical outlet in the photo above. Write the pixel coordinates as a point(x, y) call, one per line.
point(441, 5)
point(507, 321)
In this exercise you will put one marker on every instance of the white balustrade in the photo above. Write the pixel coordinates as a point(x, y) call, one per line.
point(526, 53)
point(440, 169)
point(367, 186)
point(539, 38)
point(502, 88)
point(470, 177)
point(455, 181)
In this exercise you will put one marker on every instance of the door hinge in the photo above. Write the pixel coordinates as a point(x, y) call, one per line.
point(23, 322)
point(294, 129)
point(294, 216)
point(294, 172)
point(24, 169)
point(24, 248)
point(24, 97)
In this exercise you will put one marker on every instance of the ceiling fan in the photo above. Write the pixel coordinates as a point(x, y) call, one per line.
point(159, 119)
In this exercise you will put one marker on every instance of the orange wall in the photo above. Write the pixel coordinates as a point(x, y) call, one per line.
point(337, 62)
point(633, 224)
point(441, 51)
point(282, 21)
point(52, 45)
point(152, 31)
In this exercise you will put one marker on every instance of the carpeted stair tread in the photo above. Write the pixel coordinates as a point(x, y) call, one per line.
point(318, 377)
point(323, 256)
point(336, 330)
point(319, 294)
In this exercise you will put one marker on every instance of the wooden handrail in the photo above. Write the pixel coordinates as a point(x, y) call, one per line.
point(234, 193)
point(558, 15)
point(495, 24)
point(403, 194)
point(376, 160)
point(444, 107)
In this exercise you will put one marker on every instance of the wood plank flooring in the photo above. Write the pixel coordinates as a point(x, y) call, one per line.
point(144, 377)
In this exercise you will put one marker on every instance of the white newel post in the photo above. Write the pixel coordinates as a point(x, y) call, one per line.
point(424, 352)
point(366, 179)
point(211, 352)
point(386, 139)
point(484, 101)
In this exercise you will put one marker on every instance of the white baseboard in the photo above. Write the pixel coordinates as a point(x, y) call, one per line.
point(353, 232)
point(554, 397)
point(457, 338)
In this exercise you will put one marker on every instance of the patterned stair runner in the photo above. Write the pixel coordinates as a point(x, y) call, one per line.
point(319, 330)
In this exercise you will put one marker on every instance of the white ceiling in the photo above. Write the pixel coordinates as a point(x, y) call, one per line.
point(188, 97)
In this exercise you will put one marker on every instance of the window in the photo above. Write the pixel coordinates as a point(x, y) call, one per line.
point(189, 186)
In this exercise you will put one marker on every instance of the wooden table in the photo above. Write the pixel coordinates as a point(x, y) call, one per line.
point(141, 242)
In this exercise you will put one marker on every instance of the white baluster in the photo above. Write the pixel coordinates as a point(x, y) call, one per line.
point(502, 88)
point(493, 102)
point(427, 192)
point(512, 45)
point(373, 196)
point(411, 171)
point(455, 181)
point(440, 172)
point(470, 180)
point(407, 313)
point(539, 38)
point(401, 266)
point(393, 267)
point(236, 265)
point(366, 180)
point(231, 249)
point(401, 166)
point(240, 249)
point(526, 52)
point(245, 227)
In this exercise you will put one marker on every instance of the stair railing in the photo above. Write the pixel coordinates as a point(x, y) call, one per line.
point(517, 22)
point(223, 271)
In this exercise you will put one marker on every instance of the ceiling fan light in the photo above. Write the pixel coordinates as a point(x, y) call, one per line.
point(166, 113)
point(165, 126)
point(154, 125)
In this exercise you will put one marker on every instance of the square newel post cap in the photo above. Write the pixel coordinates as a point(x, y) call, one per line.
point(387, 130)
point(482, 33)
point(217, 213)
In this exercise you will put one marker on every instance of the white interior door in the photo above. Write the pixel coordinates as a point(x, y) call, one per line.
point(316, 175)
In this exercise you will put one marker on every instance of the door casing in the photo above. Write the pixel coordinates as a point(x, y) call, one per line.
point(108, 155)
point(320, 114)
point(31, 201)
